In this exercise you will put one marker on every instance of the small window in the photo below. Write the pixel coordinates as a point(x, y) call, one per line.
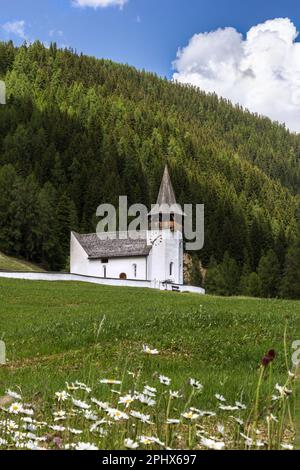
point(104, 272)
point(104, 260)
point(134, 266)
point(171, 269)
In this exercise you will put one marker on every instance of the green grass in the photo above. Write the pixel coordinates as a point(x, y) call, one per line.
point(7, 263)
point(50, 331)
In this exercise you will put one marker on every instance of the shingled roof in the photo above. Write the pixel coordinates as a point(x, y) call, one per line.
point(166, 201)
point(97, 248)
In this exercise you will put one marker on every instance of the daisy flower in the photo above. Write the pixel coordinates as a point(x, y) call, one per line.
point(80, 404)
point(62, 396)
point(212, 444)
point(151, 352)
point(16, 408)
point(140, 416)
point(195, 384)
point(86, 446)
point(287, 446)
point(220, 397)
point(164, 380)
point(117, 415)
point(130, 444)
point(126, 400)
point(110, 382)
point(13, 394)
point(190, 415)
point(173, 421)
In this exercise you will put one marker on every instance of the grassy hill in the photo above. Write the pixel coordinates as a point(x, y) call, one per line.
point(58, 332)
point(8, 263)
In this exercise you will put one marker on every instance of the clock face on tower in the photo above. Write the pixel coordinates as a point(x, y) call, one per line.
point(155, 239)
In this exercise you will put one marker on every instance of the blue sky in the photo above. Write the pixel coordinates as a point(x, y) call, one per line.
point(144, 33)
point(254, 60)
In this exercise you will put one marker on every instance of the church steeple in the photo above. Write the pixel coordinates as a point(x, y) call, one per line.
point(166, 193)
point(166, 214)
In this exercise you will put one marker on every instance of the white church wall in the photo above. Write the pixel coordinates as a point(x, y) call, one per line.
point(80, 264)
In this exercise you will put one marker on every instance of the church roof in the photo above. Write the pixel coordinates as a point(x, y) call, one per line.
point(166, 197)
point(97, 248)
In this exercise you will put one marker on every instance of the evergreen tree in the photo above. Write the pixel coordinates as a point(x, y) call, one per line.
point(290, 285)
point(269, 274)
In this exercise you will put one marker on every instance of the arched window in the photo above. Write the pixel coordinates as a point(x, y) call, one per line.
point(134, 267)
point(171, 269)
point(104, 272)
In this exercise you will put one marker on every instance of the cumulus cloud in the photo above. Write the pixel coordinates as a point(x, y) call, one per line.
point(16, 28)
point(260, 72)
point(99, 3)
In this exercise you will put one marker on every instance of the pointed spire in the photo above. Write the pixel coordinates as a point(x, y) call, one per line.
point(166, 193)
point(166, 201)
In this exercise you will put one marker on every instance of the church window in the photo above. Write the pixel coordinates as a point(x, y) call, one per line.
point(134, 266)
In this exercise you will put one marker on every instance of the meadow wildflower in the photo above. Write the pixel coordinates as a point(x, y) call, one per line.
point(80, 404)
point(130, 444)
point(141, 417)
point(212, 444)
point(86, 446)
point(62, 396)
point(164, 380)
point(145, 400)
point(14, 395)
point(126, 400)
point(151, 352)
point(16, 408)
point(195, 384)
point(175, 394)
point(190, 415)
point(117, 415)
point(110, 382)
point(220, 397)
point(287, 446)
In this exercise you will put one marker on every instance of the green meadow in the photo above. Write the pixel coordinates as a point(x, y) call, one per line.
point(8, 263)
point(58, 332)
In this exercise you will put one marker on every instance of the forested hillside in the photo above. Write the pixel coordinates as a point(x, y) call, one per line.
point(77, 132)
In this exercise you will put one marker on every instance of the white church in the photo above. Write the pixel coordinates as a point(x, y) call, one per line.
point(153, 258)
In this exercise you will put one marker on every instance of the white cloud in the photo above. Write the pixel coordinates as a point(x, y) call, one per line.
point(16, 28)
point(260, 72)
point(99, 3)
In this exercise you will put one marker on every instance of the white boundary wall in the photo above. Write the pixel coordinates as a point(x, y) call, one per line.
point(54, 277)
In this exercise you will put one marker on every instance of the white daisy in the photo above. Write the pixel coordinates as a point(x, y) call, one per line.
point(130, 444)
point(164, 380)
point(16, 408)
point(126, 400)
point(110, 382)
point(190, 415)
point(117, 415)
point(220, 397)
point(195, 384)
point(14, 395)
point(85, 446)
point(62, 396)
point(287, 446)
point(80, 404)
point(212, 444)
point(151, 352)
